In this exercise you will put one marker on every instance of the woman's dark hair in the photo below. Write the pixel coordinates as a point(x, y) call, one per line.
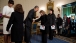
point(19, 8)
point(52, 10)
point(58, 14)
point(11, 2)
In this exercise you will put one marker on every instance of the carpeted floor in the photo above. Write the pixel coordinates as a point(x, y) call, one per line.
point(70, 40)
point(37, 39)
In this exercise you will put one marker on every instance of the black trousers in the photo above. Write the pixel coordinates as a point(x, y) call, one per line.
point(19, 42)
point(44, 36)
point(58, 30)
point(27, 35)
point(50, 33)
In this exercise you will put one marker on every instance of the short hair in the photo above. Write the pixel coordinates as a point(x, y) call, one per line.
point(18, 8)
point(11, 2)
point(36, 7)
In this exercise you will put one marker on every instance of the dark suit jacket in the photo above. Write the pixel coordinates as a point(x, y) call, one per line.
point(59, 21)
point(51, 19)
point(29, 18)
point(16, 20)
point(43, 20)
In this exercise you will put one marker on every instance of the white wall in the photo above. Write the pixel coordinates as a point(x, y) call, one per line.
point(3, 3)
point(29, 4)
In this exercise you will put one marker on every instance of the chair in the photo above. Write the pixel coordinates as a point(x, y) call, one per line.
point(34, 28)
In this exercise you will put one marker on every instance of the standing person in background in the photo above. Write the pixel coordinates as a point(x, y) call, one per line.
point(51, 23)
point(59, 24)
point(65, 25)
point(7, 10)
point(16, 20)
point(28, 23)
point(43, 19)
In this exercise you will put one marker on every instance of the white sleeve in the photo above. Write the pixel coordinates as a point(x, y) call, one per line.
point(12, 9)
point(4, 11)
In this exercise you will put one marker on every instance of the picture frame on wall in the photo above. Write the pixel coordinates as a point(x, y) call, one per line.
point(50, 7)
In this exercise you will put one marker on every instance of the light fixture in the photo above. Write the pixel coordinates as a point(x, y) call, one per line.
point(59, 6)
point(42, 8)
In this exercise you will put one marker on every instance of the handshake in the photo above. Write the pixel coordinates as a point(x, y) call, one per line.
point(33, 21)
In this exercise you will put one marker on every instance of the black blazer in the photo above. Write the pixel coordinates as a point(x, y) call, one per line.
point(51, 19)
point(29, 18)
point(43, 20)
point(16, 20)
point(59, 21)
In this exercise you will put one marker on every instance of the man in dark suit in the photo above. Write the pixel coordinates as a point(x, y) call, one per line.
point(28, 23)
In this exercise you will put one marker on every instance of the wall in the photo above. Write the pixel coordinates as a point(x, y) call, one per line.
point(0, 6)
point(3, 3)
point(29, 4)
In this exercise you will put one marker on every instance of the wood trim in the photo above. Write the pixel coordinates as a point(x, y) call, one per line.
point(50, 3)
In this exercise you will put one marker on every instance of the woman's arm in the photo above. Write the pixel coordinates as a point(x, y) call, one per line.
point(4, 12)
point(10, 22)
point(5, 16)
point(38, 19)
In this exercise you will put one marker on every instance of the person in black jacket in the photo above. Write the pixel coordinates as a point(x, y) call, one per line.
point(51, 22)
point(16, 24)
point(28, 23)
point(59, 24)
point(43, 20)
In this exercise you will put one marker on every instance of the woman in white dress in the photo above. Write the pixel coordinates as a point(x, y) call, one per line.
point(7, 10)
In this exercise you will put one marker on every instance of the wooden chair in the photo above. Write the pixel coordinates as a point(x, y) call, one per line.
point(34, 28)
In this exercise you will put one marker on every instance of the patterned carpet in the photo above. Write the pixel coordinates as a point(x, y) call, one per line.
point(56, 39)
point(70, 40)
